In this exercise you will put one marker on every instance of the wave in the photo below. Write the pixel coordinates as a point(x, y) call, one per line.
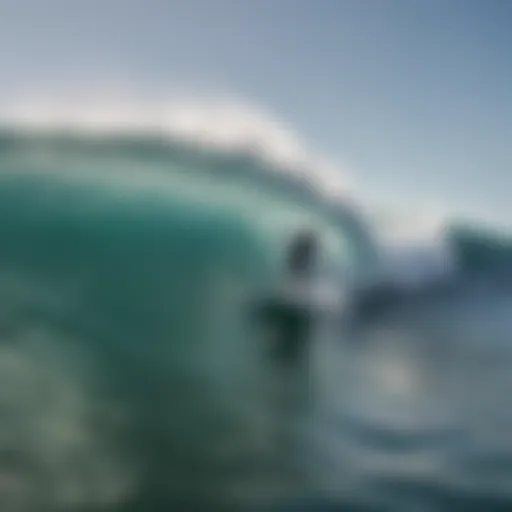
point(481, 251)
point(236, 144)
point(99, 241)
point(465, 251)
point(97, 247)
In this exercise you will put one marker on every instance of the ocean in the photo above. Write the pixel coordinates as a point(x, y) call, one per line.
point(135, 376)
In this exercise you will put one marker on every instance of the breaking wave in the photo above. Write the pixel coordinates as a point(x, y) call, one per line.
point(114, 215)
point(130, 239)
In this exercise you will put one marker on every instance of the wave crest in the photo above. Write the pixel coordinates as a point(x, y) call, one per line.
point(212, 124)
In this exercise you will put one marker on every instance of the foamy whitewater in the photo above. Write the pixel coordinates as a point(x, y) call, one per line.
point(135, 239)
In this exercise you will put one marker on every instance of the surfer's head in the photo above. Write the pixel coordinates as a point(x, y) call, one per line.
point(303, 252)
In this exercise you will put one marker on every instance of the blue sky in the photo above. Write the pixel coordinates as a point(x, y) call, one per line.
point(414, 96)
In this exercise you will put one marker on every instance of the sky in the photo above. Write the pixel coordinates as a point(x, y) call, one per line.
point(413, 97)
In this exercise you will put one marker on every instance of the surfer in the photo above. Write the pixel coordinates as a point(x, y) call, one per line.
point(302, 255)
point(289, 312)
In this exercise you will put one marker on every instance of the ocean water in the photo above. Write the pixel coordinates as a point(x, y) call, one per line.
point(414, 414)
point(136, 377)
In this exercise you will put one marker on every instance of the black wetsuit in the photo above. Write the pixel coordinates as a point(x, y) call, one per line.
point(288, 313)
point(292, 323)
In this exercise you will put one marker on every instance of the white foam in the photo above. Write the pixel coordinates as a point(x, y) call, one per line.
point(418, 266)
point(218, 124)
point(415, 252)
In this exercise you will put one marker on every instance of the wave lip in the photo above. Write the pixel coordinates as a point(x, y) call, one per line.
point(218, 125)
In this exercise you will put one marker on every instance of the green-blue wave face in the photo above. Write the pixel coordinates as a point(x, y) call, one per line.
point(126, 287)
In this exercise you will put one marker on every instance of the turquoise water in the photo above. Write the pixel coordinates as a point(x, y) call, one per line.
point(128, 272)
point(134, 376)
